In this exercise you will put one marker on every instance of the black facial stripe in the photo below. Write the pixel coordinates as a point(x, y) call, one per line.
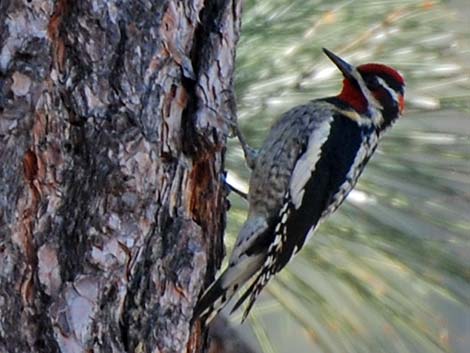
point(372, 83)
point(387, 96)
point(392, 83)
point(390, 104)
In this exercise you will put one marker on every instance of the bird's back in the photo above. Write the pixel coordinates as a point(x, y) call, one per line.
point(310, 162)
point(277, 158)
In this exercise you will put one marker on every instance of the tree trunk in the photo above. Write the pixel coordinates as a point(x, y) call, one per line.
point(113, 122)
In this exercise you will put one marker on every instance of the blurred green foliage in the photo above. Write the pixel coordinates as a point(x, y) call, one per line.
point(390, 271)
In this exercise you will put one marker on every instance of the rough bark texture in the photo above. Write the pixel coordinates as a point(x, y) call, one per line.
point(113, 121)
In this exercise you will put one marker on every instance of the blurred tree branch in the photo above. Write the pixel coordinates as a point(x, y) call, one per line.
point(224, 339)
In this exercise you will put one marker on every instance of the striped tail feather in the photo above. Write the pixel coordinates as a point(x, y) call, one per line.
point(224, 288)
point(213, 301)
point(252, 291)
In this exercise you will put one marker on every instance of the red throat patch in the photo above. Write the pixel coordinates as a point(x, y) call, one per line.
point(353, 96)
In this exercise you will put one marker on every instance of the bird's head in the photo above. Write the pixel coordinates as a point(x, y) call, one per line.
point(370, 88)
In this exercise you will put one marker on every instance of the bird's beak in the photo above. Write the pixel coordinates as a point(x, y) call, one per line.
point(343, 66)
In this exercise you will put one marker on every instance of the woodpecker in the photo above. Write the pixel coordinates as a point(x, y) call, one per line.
point(310, 161)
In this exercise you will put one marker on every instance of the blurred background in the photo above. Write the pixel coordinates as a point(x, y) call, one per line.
point(390, 271)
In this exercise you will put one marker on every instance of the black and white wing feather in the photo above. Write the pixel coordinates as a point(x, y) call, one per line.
point(307, 166)
point(323, 175)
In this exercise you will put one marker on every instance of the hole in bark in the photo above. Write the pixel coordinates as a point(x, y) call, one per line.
point(67, 147)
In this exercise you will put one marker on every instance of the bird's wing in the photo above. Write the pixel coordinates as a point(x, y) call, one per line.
point(322, 177)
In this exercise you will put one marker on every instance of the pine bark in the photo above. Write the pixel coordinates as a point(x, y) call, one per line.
point(113, 121)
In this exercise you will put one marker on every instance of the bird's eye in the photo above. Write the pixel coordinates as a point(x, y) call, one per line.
point(372, 83)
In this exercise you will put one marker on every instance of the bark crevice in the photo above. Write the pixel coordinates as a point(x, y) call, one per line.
point(117, 114)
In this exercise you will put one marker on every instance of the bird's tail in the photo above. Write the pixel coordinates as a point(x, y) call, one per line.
point(213, 300)
point(224, 288)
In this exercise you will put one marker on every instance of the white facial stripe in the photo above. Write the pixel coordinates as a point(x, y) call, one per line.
point(390, 90)
point(373, 103)
point(305, 166)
